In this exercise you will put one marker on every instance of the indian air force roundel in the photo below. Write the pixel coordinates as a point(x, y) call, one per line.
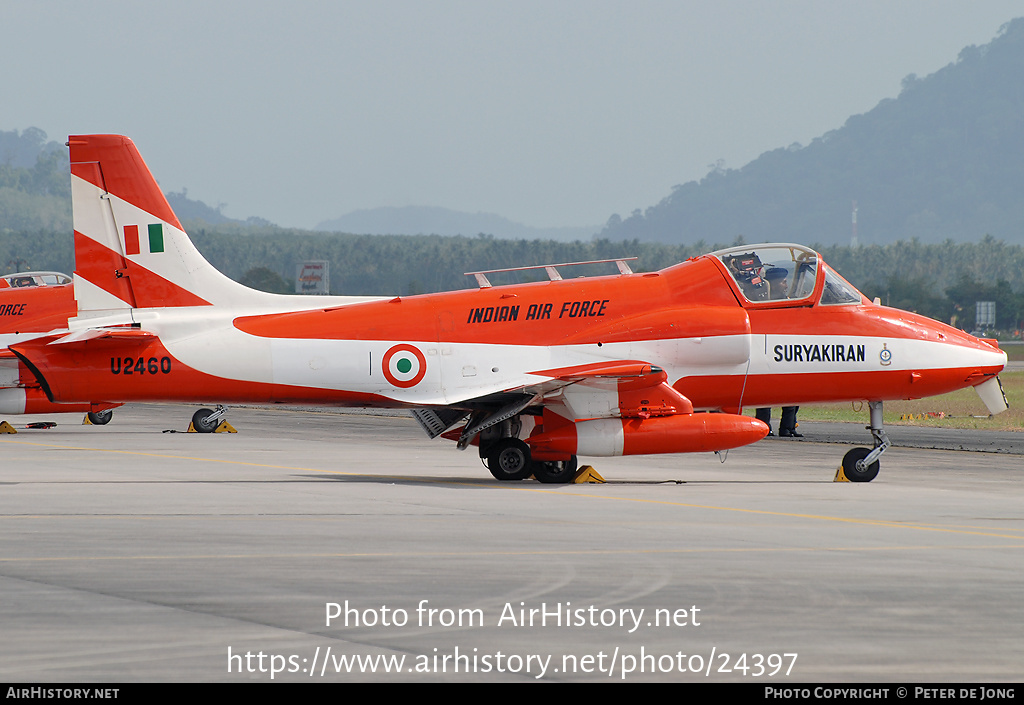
point(404, 366)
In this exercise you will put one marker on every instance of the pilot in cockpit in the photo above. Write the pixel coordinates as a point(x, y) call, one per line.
point(778, 285)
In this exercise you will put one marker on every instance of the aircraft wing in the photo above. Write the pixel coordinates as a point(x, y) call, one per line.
point(616, 369)
point(621, 388)
point(609, 389)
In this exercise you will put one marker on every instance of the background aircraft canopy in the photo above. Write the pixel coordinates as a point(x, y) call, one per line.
point(23, 279)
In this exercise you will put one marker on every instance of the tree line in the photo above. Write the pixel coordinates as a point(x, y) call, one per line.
point(940, 280)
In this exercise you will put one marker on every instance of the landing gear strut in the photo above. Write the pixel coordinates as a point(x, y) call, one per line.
point(861, 464)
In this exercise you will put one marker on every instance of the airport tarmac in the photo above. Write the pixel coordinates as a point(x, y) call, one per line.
point(129, 554)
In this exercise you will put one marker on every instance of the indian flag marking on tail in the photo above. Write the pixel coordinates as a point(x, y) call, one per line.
point(132, 244)
point(156, 237)
point(404, 366)
point(131, 239)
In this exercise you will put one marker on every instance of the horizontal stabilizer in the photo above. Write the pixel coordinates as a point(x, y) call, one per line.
point(124, 334)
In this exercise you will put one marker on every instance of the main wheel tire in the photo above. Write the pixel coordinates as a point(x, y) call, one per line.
point(555, 473)
point(509, 459)
point(201, 422)
point(100, 418)
point(850, 466)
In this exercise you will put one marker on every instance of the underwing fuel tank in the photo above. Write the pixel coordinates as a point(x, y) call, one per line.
point(682, 433)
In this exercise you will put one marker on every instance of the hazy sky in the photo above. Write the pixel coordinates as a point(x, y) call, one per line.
point(551, 113)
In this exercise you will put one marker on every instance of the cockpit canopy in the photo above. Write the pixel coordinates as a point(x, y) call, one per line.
point(785, 273)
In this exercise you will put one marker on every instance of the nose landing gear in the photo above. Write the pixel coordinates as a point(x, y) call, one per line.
point(861, 464)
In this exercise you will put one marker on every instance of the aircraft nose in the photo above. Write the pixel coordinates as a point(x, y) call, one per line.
point(956, 348)
point(986, 354)
point(985, 361)
point(942, 359)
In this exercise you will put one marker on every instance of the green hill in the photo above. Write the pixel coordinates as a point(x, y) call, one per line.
point(943, 160)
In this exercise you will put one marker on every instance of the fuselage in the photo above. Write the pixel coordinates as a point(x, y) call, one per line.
point(539, 373)
point(720, 349)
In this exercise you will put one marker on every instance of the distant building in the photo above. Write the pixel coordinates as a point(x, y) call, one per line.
point(985, 315)
point(313, 277)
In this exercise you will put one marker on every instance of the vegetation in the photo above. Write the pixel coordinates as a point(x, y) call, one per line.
point(960, 409)
point(35, 188)
point(409, 264)
point(942, 280)
point(263, 279)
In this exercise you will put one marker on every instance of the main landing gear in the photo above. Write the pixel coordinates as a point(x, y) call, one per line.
point(509, 459)
point(556, 472)
point(861, 464)
point(100, 418)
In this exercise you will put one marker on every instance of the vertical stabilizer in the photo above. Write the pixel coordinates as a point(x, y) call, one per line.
point(130, 248)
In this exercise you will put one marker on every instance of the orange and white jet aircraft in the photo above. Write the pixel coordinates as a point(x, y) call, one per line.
point(34, 304)
point(535, 373)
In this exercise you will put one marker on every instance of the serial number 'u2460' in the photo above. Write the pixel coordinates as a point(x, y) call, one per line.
point(140, 365)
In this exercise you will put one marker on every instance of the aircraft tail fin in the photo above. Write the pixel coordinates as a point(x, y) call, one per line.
point(130, 249)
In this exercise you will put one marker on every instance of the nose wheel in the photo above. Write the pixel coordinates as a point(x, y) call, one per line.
point(861, 464)
point(855, 467)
